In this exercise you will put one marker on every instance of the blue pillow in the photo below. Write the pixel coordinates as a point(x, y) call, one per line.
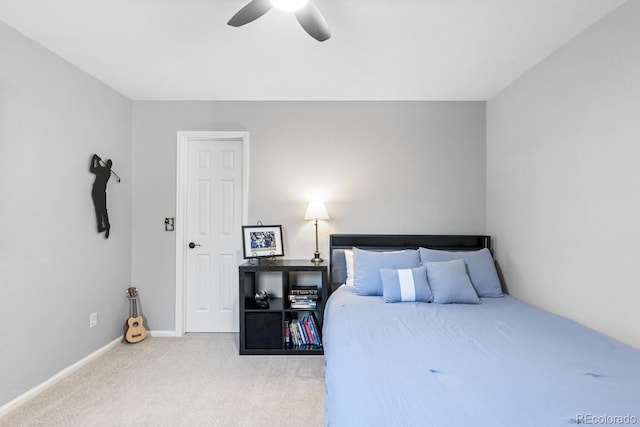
point(405, 284)
point(367, 265)
point(450, 283)
point(482, 269)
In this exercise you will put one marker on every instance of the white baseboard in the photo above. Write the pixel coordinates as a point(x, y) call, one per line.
point(57, 377)
point(164, 334)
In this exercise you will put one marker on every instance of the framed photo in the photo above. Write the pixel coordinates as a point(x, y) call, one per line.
point(262, 241)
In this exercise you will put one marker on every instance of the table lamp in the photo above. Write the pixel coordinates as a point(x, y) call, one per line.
point(316, 211)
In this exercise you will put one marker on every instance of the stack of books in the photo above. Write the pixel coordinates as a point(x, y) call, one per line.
point(303, 297)
point(303, 333)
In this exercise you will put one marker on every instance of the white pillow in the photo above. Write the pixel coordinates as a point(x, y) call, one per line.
point(348, 257)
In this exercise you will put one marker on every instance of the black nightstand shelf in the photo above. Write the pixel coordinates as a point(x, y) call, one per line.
point(265, 330)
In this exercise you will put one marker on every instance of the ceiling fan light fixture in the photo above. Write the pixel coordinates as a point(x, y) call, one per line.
point(306, 12)
point(289, 5)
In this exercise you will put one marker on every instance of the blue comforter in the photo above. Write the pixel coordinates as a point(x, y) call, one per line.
point(499, 363)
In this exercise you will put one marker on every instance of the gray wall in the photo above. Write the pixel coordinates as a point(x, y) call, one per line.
point(54, 267)
point(563, 162)
point(381, 167)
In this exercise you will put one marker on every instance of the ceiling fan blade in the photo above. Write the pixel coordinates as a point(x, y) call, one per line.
point(313, 22)
point(252, 11)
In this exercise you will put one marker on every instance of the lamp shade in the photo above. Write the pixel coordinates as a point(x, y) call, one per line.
point(316, 210)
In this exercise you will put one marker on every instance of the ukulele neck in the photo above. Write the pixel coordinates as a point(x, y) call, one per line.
point(134, 307)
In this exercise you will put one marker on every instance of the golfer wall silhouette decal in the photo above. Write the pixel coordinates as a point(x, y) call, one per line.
point(103, 172)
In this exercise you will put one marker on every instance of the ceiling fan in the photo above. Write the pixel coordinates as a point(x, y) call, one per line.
point(307, 13)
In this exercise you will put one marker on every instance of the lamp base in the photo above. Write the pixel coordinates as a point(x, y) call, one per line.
point(316, 258)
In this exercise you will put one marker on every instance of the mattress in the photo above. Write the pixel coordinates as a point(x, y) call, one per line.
point(499, 363)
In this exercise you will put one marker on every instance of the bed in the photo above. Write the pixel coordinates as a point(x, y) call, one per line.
point(495, 362)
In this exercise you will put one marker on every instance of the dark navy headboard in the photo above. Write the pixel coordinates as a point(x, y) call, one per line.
point(389, 242)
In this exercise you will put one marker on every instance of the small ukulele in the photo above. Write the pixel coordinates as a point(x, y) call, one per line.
point(135, 329)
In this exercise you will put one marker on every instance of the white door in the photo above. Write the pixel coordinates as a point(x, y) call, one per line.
point(213, 234)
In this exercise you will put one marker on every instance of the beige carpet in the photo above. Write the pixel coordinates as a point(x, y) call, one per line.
point(197, 380)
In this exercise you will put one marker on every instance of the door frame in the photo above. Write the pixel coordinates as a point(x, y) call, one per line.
point(182, 173)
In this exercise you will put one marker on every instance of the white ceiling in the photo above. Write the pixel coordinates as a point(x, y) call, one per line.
point(379, 49)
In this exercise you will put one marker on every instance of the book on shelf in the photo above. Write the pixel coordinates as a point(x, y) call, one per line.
point(310, 290)
point(314, 333)
point(293, 298)
point(304, 287)
point(303, 297)
point(287, 334)
point(303, 290)
point(304, 332)
point(309, 305)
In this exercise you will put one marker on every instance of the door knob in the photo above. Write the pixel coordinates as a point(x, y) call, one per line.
point(193, 245)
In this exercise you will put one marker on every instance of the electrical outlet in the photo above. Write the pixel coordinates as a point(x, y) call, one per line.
point(93, 320)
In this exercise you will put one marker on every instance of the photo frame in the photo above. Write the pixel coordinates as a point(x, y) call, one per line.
point(262, 241)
